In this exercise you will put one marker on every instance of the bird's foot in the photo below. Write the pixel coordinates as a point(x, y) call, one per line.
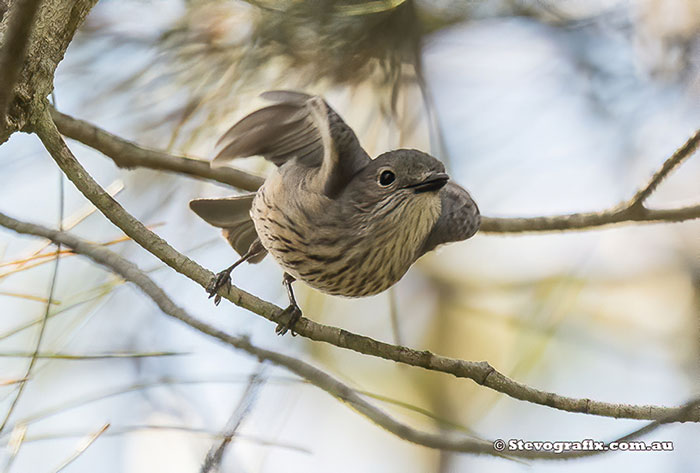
point(217, 282)
point(294, 313)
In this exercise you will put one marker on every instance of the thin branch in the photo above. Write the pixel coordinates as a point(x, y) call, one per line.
point(681, 154)
point(588, 221)
point(481, 372)
point(216, 455)
point(688, 407)
point(630, 211)
point(14, 48)
point(127, 429)
point(650, 427)
point(93, 356)
point(334, 387)
point(127, 154)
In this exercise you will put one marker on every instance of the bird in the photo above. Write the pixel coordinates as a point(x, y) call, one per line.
point(331, 216)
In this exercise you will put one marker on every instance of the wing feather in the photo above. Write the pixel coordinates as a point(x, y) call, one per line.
point(298, 127)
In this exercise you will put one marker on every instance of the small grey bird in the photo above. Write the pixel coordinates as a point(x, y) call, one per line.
point(331, 216)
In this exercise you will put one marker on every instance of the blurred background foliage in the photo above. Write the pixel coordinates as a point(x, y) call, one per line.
point(538, 107)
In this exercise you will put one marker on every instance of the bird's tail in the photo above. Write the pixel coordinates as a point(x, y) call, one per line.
point(232, 215)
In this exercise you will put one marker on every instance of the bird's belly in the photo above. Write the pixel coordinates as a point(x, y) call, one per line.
point(343, 270)
point(357, 275)
point(347, 278)
point(335, 260)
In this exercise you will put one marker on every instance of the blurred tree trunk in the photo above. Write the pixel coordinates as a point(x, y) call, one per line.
point(54, 27)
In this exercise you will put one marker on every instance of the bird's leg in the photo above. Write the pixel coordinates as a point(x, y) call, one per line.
point(223, 278)
point(293, 309)
point(220, 280)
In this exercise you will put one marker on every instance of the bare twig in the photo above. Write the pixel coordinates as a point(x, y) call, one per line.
point(216, 455)
point(687, 408)
point(632, 210)
point(128, 154)
point(481, 372)
point(588, 221)
point(127, 429)
point(93, 356)
point(681, 154)
point(14, 48)
point(650, 427)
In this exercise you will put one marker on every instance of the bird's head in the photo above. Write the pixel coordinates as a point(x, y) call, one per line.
point(397, 180)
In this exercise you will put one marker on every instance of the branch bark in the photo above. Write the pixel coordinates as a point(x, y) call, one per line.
point(14, 47)
point(621, 214)
point(480, 372)
point(130, 155)
point(54, 27)
point(681, 154)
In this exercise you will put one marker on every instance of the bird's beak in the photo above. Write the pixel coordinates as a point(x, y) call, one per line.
point(433, 182)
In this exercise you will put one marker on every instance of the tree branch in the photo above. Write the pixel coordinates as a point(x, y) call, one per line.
point(681, 154)
point(215, 455)
point(632, 210)
point(55, 23)
point(481, 372)
point(334, 387)
point(130, 155)
point(650, 427)
point(14, 48)
point(588, 221)
point(126, 154)
point(130, 272)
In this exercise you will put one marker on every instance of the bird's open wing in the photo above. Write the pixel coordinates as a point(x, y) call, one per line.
point(302, 127)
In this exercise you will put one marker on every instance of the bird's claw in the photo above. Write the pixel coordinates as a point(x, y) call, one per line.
point(294, 313)
point(217, 282)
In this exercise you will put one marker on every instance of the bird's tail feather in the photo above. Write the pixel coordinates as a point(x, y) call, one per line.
point(232, 215)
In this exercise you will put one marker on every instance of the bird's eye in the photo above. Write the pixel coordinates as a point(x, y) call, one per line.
point(386, 178)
